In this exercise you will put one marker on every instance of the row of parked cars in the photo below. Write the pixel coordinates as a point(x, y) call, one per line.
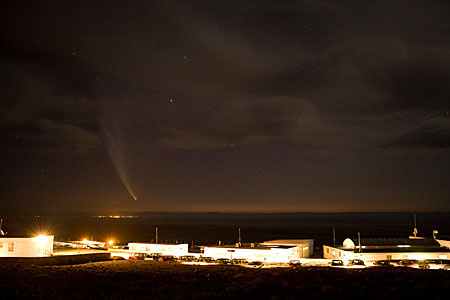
point(420, 264)
point(191, 258)
point(352, 262)
point(160, 257)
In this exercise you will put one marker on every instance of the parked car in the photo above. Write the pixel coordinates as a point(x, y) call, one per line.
point(356, 262)
point(187, 258)
point(167, 258)
point(383, 263)
point(255, 264)
point(152, 256)
point(337, 262)
point(137, 256)
point(407, 263)
point(424, 266)
point(295, 263)
point(223, 261)
point(206, 259)
point(238, 261)
point(117, 258)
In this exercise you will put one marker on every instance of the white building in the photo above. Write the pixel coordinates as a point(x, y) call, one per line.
point(444, 243)
point(373, 249)
point(305, 246)
point(26, 246)
point(164, 249)
point(277, 251)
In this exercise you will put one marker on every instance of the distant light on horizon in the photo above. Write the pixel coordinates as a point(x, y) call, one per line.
point(115, 217)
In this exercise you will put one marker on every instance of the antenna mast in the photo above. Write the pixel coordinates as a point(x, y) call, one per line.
point(415, 227)
point(240, 240)
point(156, 238)
point(359, 242)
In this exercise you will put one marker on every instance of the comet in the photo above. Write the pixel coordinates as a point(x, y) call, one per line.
point(114, 140)
point(117, 160)
point(113, 135)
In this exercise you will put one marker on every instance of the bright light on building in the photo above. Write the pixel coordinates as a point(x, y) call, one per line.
point(110, 242)
point(41, 238)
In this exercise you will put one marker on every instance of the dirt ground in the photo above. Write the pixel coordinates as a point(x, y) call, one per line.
point(168, 280)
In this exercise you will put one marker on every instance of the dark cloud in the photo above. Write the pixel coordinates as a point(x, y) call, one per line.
point(242, 121)
point(65, 138)
point(432, 134)
point(415, 86)
point(48, 137)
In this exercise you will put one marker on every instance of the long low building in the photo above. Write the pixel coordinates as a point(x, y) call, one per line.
point(164, 249)
point(305, 246)
point(277, 251)
point(26, 246)
point(374, 249)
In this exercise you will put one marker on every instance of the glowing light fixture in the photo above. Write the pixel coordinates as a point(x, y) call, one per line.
point(41, 238)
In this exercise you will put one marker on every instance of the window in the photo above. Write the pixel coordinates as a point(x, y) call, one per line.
point(1, 244)
point(10, 247)
point(328, 250)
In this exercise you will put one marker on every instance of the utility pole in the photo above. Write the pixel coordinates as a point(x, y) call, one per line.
point(415, 227)
point(240, 240)
point(359, 242)
point(334, 237)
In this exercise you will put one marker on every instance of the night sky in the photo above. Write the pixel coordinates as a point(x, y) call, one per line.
point(232, 106)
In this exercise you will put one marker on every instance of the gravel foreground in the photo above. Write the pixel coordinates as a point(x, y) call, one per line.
point(164, 280)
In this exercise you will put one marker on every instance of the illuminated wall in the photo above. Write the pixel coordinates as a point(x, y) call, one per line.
point(282, 255)
point(26, 247)
point(337, 253)
point(165, 249)
point(305, 246)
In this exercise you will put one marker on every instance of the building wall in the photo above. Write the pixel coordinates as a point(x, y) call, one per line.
point(335, 253)
point(444, 243)
point(26, 247)
point(272, 255)
point(306, 247)
point(165, 249)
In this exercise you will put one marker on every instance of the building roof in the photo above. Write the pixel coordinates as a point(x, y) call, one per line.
point(288, 242)
point(19, 237)
point(395, 242)
point(402, 250)
point(256, 247)
point(157, 244)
